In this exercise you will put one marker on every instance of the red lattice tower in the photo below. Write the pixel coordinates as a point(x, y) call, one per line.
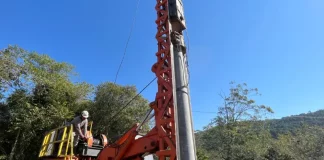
point(161, 140)
point(164, 105)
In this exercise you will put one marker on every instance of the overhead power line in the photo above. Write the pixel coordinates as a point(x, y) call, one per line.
point(126, 46)
point(124, 107)
point(129, 36)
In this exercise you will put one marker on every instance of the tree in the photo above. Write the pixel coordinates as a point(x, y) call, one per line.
point(10, 68)
point(237, 132)
point(274, 154)
point(4, 124)
point(107, 111)
point(42, 96)
point(239, 106)
point(21, 121)
point(305, 143)
point(45, 98)
point(201, 154)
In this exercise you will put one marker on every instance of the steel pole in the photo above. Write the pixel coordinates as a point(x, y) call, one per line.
point(186, 148)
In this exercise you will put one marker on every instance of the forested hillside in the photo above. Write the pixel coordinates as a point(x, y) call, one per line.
point(303, 133)
point(238, 133)
point(291, 123)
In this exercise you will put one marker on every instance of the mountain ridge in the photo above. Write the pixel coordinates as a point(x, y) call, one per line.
point(293, 122)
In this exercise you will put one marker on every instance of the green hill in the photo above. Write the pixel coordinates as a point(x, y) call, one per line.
point(291, 123)
point(296, 137)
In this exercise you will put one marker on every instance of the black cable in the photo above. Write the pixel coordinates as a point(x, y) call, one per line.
point(114, 116)
point(130, 34)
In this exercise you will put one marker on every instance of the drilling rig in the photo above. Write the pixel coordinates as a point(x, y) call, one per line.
point(172, 137)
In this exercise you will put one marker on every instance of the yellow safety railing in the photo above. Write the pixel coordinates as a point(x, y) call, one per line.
point(58, 143)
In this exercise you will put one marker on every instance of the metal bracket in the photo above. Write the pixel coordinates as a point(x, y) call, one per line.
point(178, 42)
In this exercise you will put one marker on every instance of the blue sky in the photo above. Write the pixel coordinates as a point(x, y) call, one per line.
point(274, 45)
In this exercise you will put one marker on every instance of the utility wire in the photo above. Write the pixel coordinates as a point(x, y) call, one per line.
point(127, 42)
point(114, 116)
point(130, 34)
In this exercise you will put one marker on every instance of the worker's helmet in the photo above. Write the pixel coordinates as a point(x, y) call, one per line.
point(85, 114)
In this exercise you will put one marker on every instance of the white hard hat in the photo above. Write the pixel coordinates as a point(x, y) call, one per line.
point(85, 114)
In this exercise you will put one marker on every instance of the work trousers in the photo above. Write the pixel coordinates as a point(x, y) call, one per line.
point(75, 139)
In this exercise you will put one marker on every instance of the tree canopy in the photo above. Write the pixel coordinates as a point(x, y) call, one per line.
point(108, 110)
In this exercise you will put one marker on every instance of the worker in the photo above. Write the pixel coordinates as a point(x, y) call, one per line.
point(80, 125)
